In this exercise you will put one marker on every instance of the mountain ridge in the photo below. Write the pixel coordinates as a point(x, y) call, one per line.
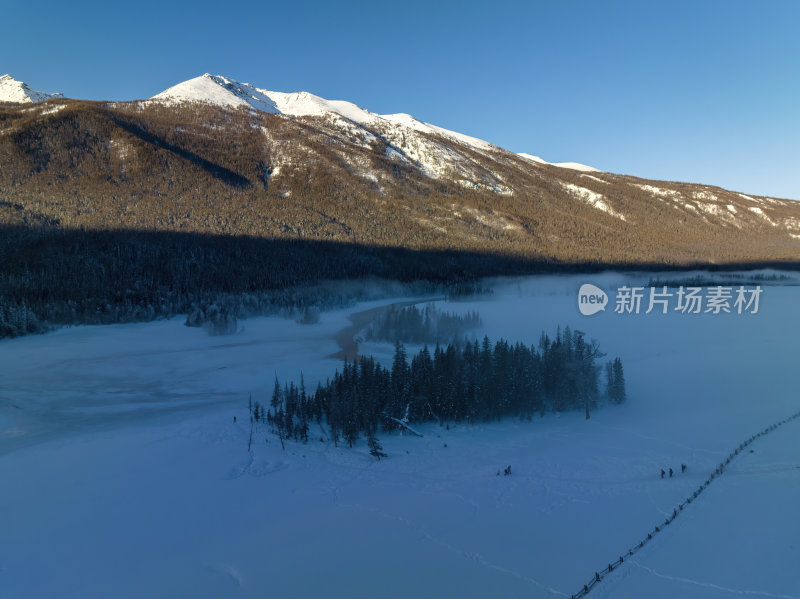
point(223, 91)
point(226, 92)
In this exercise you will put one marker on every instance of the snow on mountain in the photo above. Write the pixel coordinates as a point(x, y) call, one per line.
point(594, 199)
point(222, 91)
point(12, 90)
point(409, 121)
point(406, 136)
point(576, 166)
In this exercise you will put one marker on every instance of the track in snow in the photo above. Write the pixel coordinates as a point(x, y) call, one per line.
point(601, 574)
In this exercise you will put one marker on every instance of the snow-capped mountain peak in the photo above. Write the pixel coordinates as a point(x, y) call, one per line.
point(416, 141)
point(12, 90)
point(218, 90)
point(223, 91)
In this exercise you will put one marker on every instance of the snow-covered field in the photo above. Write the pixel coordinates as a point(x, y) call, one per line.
point(124, 475)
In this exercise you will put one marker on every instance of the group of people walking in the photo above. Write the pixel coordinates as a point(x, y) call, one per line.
point(671, 472)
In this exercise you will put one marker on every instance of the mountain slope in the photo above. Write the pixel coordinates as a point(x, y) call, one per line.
point(129, 211)
point(188, 166)
point(406, 136)
point(12, 90)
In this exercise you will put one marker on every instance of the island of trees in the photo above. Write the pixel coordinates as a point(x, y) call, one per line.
point(470, 383)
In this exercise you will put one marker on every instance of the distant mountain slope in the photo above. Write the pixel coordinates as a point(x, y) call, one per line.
point(200, 167)
point(128, 211)
point(12, 90)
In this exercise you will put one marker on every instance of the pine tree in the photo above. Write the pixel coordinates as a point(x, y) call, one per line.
point(375, 448)
point(276, 394)
point(401, 384)
point(619, 394)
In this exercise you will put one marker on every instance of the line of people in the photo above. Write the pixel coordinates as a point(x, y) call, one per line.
point(671, 473)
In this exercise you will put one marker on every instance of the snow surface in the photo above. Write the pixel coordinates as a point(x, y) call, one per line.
point(594, 199)
point(598, 179)
point(657, 191)
point(125, 475)
point(759, 212)
point(576, 166)
point(12, 90)
point(409, 121)
point(704, 195)
point(220, 91)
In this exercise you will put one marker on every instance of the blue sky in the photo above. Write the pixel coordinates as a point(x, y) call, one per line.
point(703, 91)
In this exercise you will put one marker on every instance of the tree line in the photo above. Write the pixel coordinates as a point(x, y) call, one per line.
point(52, 276)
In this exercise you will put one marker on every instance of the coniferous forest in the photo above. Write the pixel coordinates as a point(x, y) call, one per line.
point(471, 383)
point(410, 324)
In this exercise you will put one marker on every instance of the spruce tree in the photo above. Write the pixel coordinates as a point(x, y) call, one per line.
point(375, 448)
point(619, 382)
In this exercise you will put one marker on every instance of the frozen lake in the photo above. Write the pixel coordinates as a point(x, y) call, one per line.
point(124, 474)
